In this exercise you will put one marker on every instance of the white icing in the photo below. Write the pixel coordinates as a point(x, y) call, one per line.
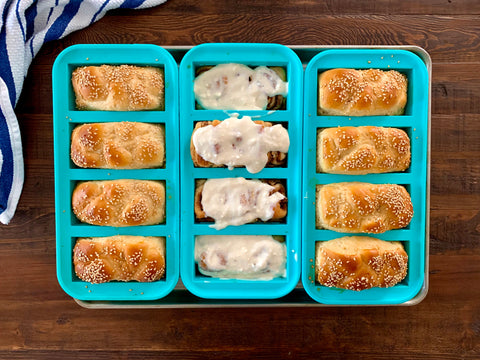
point(258, 257)
point(237, 87)
point(240, 142)
point(237, 201)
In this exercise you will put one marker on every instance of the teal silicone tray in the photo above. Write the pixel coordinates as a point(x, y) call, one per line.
point(415, 123)
point(304, 294)
point(67, 175)
point(291, 118)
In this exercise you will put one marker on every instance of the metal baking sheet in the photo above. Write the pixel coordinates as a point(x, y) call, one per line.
point(180, 297)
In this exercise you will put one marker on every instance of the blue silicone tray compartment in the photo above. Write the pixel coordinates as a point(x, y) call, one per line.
point(252, 55)
point(67, 174)
point(415, 122)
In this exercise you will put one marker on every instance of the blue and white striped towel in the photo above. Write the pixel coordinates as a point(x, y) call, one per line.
point(25, 26)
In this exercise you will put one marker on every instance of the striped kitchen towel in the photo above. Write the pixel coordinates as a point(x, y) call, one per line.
point(25, 26)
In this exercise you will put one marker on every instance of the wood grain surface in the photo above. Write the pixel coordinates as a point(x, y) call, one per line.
point(39, 321)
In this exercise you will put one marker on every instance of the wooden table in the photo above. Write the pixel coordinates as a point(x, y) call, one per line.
point(39, 321)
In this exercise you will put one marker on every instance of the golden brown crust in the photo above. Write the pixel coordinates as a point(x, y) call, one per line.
point(362, 150)
point(362, 208)
point(119, 88)
point(120, 258)
point(120, 202)
point(350, 92)
point(118, 145)
point(275, 158)
point(279, 211)
point(359, 263)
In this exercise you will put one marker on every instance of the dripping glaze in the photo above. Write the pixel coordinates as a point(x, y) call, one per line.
point(237, 87)
point(240, 142)
point(237, 201)
point(258, 257)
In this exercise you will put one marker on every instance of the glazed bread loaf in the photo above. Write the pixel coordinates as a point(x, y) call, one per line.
point(259, 257)
point(356, 207)
point(119, 88)
point(362, 150)
point(237, 201)
point(350, 92)
point(240, 87)
point(120, 258)
point(359, 263)
point(123, 202)
point(248, 147)
point(118, 145)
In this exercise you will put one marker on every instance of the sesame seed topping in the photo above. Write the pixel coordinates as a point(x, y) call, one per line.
point(365, 149)
point(119, 88)
point(377, 263)
point(360, 89)
point(120, 202)
point(361, 207)
point(120, 258)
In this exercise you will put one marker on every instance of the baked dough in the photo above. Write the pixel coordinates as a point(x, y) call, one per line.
point(119, 88)
point(118, 145)
point(120, 258)
point(360, 262)
point(350, 92)
point(362, 150)
point(120, 202)
point(356, 207)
